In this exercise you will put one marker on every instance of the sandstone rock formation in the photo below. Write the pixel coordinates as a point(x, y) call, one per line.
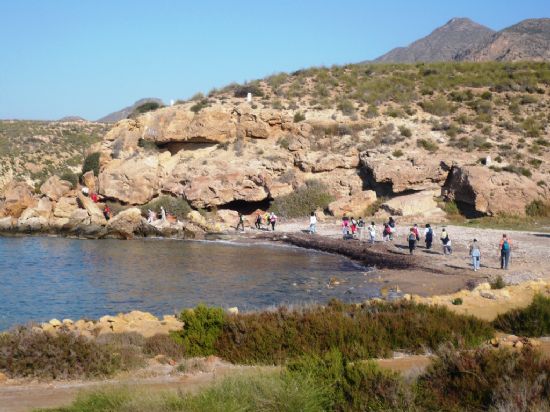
point(126, 223)
point(421, 204)
point(55, 188)
point(491, 192)
point(17, 197)
point(354, 205)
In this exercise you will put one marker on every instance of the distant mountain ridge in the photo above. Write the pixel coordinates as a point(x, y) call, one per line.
point(462, 39)
point(124, 113)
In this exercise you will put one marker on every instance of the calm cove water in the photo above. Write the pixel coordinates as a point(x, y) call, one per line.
point(43, 278)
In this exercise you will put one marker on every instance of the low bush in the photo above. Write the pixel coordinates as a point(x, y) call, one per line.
point(299, 117)
point(199, 105)
point(91, 162)
point(485, 379)
point(534, 320)
point(405, 131)
point(144, 108)
point(358, 332)
point(398, 153)
point(438, 107)
point(174, 205)
point(498, 283)
point(201, 330)
point(26, 353)
point(164, 345)
point(242, 91)
point(358, 386)
point(428, 145)
point(538, 208)
point(314, 195)
point(70, 177)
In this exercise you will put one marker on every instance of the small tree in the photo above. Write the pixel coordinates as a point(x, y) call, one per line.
point(91, 162)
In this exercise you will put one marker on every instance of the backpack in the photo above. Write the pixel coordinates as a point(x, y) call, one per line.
point(429, 235)
point(412, 236)
point(505, 246)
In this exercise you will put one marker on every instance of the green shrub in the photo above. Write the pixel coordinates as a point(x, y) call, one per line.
point(405, 131)
point(165, 345)
point(358, 386)
point(534, 320)
point(314, 195)
point(538, 208)
point(26, 353)
point(498, 283)
point(91, 162)
point(398, 153)
point(299, 117)
point(242, 91)
point(457, 301)
point(346, 107)
point(428, 145)
point(198, 106)
point(174, 205)
point(144, 108)
point(358, 332)
point(202, 328)
point(438, 107)
point(70, 177)
point(485, 379)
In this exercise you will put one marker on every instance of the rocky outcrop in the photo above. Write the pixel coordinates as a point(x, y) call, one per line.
point(134, 180)
point(397, 175)
point(18, 196)
point(55, 188)
point(490, 192)
point(421, 204)
point(92, 209)
point(354, 205)
point(126, 223)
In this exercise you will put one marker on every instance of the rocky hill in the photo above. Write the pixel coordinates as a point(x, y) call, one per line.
point(443, 44)
point(390, 139)
point(127, 111)
point(527, 40)
point(461, 39)
point(34, 150)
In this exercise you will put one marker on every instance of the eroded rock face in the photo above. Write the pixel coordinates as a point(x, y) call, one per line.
point(399, 175)
point(420, 204)
point(490, 192)
point(134, 180)
point(354, 205)
point(126, 223)
point(55, 188)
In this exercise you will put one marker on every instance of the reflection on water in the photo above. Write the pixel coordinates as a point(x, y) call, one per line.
point(42, 278)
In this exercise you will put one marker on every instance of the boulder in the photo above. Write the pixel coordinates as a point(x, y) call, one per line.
point(93, 210)
point(421, 204)
point(18, 196)
point(7, 223)
point(490, 192)
point(55, 188)
point(126, 223)
point(134, 180)
point(228, 218)
point(354, 205)
point(65, 207)
point(90, 181)
point(389, 175)
point(36, 218)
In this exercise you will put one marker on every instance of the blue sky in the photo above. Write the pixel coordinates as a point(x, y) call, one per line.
point(92, 57)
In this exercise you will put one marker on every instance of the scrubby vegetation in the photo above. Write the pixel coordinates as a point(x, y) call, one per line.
point(202, 328)
point(314, 195)
point(144, 108)
point(538, 208)
point(173, 205)
point(91, 163)
point(485, 379)
point(534, 320)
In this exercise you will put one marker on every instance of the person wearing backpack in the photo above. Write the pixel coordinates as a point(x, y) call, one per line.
point(446, 241)
point(361, 228)
point(475, 254)
point(412, 241)
point(505, 250)
point(428, 236)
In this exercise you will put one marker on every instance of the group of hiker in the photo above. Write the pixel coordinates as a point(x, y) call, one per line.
point(266, 219)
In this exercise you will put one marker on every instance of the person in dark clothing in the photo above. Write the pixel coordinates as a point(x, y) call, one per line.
point(241, 222)
point(412, 241)
point(428, 236)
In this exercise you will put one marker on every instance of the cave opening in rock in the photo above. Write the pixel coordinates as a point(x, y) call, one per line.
point(175, 147)
point(246, 207)
point(468, 210)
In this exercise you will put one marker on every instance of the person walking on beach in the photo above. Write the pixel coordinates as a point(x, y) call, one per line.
point(345, 227)
point(361, 228)
point(428, 236)
point(258, 222)
point(412, 241)
point(505, 248)
point(386, 234)
point(446, 241)
point(312, 223)
point(392, 225)
point(416, 231)
point(372, 232)
point(353, 226)
point(241, 223)
point(475, 254)
point(272, 220)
